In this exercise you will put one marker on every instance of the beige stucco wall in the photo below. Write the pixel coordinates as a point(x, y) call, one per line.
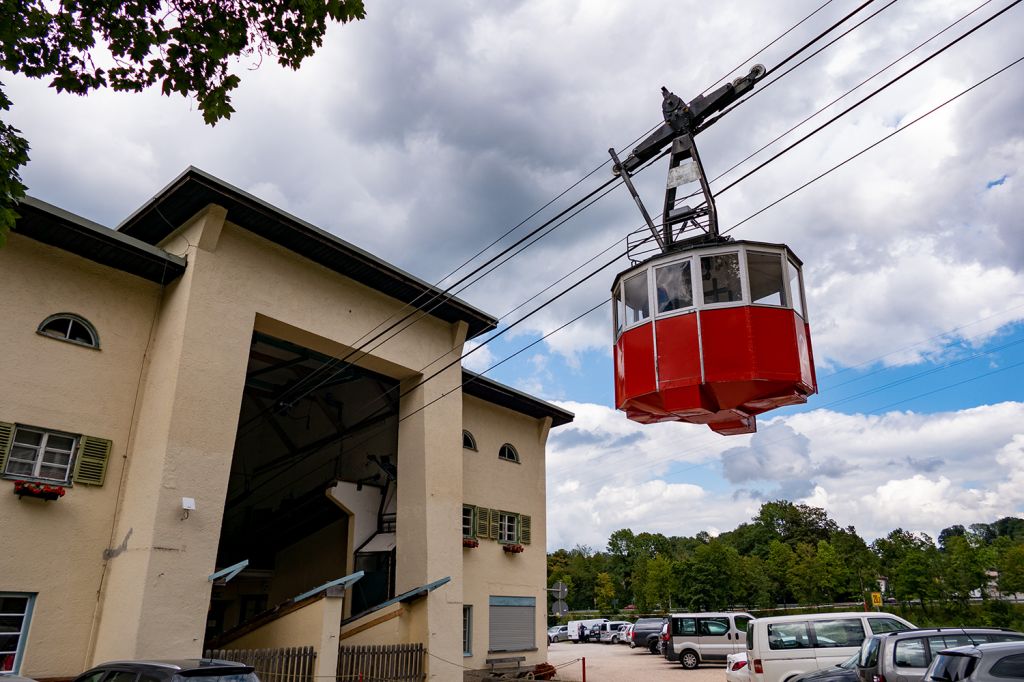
point(312, 561)
point(189, 414)
point(172, 415)
point(498, 484)
point(56, 548)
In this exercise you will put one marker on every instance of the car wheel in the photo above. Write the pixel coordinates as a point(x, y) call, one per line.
point(654, 647)
point(689, 659)
point(615, 639)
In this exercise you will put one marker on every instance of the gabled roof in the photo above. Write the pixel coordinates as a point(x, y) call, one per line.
point(479, 386)
point(194, 189)
point(54, 226)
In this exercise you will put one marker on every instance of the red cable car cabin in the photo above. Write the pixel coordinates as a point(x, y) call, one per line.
point(712, 334)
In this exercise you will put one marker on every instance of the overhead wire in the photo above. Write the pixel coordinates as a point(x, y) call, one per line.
point(868, 97)
point(766, 46)
point(846, 94)
point(876, 143)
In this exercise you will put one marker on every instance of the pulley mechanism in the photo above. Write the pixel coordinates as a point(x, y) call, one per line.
point(689, 215)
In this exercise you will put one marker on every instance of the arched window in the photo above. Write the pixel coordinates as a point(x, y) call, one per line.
point(468, 442)
point(68, 327)
point(508, 453)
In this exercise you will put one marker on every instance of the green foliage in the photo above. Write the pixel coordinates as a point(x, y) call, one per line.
point(184, 47)
point(795, 554)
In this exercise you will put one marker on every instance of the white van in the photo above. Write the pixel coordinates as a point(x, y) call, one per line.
point(695, 638)
point(781, 647)
point(574, 628)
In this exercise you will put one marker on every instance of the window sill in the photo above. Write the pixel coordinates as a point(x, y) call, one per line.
point(81, 344)
point(509, 651)
point(33, 479)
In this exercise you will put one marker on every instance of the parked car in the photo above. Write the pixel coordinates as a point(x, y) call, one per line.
point(782, 647)
point(696, 638)
point(736, 668)
point(575, 628)
point(558, 633)
point(646, 633)
point(993, 662)
point(608, 633)
point(188, 670)
point(844, 672)
point(625, 633)
point(906, 655)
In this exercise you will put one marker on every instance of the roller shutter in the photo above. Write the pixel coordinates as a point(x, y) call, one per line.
point(512, 624)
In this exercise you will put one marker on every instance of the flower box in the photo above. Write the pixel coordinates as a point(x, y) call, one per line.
point(470, 543)
point(513, 549)
point(40, 491)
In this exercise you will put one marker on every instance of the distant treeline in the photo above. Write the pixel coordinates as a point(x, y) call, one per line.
point(791, 554)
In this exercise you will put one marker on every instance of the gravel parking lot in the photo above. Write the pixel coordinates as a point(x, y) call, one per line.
point(619, 663)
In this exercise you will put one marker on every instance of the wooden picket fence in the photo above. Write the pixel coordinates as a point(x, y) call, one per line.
point(381, 663)
point(289, 664)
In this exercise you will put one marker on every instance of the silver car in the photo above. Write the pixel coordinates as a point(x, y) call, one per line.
point(905, 655)
point(995, 662)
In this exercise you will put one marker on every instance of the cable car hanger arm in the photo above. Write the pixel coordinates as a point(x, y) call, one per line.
point(682, 118)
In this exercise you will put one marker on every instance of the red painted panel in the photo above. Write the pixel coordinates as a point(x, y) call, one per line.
point(678, 352)
point(635, 361)
point(726, 338)
point(774, 343)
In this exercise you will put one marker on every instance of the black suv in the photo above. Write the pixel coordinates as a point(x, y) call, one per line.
point(189, 670)
point(646, 633)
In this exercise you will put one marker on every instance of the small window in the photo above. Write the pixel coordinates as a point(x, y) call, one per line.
point(721, 278)
point(618, 313)
point(467, 630)
point(869, 653)
point(838, 633)
point(910, 653)
point(782, 636)
point(682, 627)
point(508, 453)
point(468, 517)
point(15, 612)
point(796, 289)
point(713, 627)
point(637, 307)
point(767, 284)
point(674, 286)
point(468, 442)
point(44, 455)
point(741, 622)
point(1010, 667)
point(882, 625)
point(508, 528)
point(68, 327)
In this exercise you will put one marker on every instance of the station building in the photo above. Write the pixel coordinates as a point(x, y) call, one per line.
point(212, 438)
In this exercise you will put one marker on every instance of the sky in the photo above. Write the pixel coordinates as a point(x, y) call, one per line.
point(428, 130)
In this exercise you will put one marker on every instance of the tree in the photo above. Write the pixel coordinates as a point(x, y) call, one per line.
point(658, 584)
point(186, 47)
point(777, 566)
point(604, 592)
point(1011, 570)
point(962, 569)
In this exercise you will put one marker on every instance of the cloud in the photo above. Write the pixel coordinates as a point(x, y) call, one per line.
point(866, 470)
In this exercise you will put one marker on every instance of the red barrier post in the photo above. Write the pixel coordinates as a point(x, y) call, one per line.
point(584, 669)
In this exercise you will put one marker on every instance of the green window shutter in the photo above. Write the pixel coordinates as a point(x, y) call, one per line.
point(6, 438)
point(481, 522)
point(91, 466)
point(495, 516)
point(524, 529)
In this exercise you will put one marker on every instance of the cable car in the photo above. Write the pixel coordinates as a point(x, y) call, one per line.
point(708, 330)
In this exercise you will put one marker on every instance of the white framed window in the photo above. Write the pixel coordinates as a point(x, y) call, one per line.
point(721, 278)
point(508, 527)
point(673, 287)
point(637, 305)
point(796, 288)
point(767, 279)
point(467, 630)
point(72, 328)
point(508, 453)
point(468, 441)
point(468, 519)
point(41, 454)
point(15, 613)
